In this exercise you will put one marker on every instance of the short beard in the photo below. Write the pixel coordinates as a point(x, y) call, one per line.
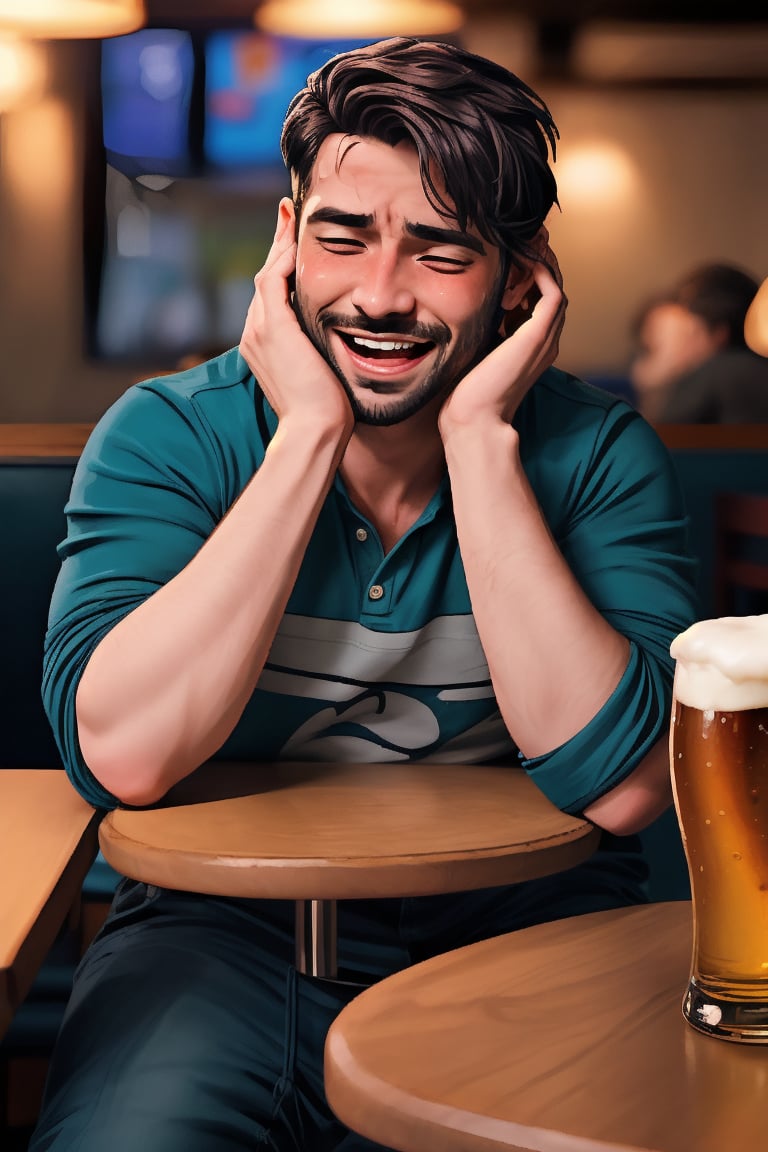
point(472, 345)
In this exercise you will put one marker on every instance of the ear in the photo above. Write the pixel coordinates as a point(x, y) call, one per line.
point(287, 212)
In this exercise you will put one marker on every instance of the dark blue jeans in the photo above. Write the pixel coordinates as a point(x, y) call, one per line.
point(189, 1029)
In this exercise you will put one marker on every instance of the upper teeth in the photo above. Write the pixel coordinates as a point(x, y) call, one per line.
point(384, 345)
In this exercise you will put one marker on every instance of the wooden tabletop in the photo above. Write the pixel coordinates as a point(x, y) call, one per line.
point(333, 831)
point(47, 843)
point(567, 1037)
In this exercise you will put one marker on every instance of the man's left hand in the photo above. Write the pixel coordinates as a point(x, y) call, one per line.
point(496, 386)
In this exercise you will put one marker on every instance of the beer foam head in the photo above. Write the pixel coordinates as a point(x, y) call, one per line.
point(723, 664)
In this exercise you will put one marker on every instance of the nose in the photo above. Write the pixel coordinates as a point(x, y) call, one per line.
point(382, 288)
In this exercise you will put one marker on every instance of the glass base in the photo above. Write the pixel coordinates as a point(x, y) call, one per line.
point(745, 1022)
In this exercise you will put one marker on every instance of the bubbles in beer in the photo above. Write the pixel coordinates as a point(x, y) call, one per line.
point(720, 773)
point(718, 794)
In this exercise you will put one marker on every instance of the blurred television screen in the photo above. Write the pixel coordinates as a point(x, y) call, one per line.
point(250, 79)
point(191, 139)
point(146, 89)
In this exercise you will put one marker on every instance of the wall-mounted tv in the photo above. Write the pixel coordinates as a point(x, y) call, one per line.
point(191, 173)
point(146, 93)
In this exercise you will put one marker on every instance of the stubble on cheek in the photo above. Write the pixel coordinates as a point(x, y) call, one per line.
point(474, 340)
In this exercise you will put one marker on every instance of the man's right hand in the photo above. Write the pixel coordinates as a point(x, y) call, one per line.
point(294, 377)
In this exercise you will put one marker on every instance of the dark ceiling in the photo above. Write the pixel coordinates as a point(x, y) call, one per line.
point(560, 12)
point(556, 22)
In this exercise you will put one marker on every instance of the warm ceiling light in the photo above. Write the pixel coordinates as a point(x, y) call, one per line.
point(64, 19)
point(596, 174)
point(358, 19)
point(22, 71)
point(756, 321)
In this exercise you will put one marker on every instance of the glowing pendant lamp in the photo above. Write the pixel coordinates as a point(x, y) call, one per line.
point(353, 19)
point(76, 19)
point(22, 71)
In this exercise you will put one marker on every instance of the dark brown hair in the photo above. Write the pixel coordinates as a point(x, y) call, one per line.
point(720, 294)
point(478, 126)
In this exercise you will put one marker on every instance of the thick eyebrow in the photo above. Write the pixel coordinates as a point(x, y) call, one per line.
point(338, 216)
point(428, 232)
point(445, 236)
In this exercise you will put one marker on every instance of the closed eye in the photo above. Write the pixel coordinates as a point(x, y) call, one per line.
point(341, 245)
point(447, 265)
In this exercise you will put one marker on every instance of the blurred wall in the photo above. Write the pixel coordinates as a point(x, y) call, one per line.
point(685, 181)
point(651, 182)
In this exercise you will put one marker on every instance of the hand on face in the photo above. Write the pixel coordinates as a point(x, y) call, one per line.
point(293, 375)
point(496, 386)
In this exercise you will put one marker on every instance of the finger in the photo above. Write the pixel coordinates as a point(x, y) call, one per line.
point(283, 240)
point(550, 261)
point(554, 266)
point(273, 283)
point(549, 279)
point(537, 248)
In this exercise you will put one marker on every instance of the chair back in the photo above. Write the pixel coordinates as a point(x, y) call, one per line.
point(741, 554)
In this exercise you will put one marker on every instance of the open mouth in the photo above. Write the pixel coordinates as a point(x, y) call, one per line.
point(392, 348)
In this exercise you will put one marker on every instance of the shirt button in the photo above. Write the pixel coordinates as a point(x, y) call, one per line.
point(361, 535)
point(375, 592)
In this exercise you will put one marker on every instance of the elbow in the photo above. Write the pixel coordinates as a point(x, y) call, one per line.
point(639, 799)
point(130, 776)
point(122, 757)
point(626, 819)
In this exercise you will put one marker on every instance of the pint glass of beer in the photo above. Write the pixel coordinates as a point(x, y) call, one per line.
point(719, 766)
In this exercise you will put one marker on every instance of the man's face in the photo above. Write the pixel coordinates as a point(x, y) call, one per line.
point(672, 341)
point(397, 299)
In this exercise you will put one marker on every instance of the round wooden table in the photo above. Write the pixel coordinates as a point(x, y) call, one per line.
point(566, 1037)
point(317, 833)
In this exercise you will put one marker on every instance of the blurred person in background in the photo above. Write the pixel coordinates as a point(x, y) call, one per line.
point(692, 364)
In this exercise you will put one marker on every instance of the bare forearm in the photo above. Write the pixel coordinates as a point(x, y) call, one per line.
point(554, 660)
point(167, 685)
